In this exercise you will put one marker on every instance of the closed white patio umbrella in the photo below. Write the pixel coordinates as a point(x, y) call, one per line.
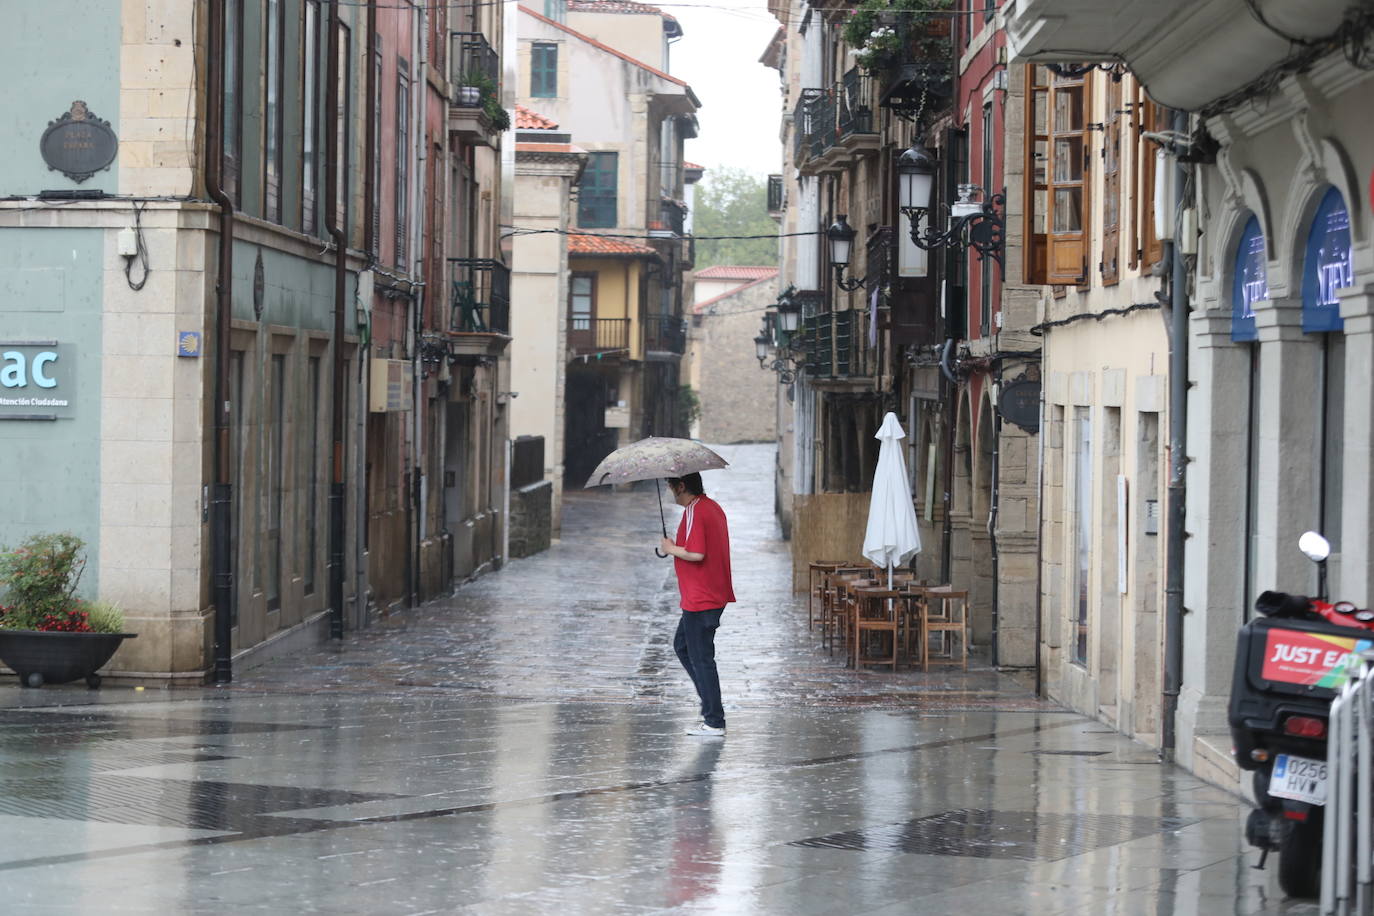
point(891, 538)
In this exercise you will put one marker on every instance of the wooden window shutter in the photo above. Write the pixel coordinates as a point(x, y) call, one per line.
point(1067, 258)
point(1151, 249)
point(1109, 265)
point(1037, 173)
point(1132, 179)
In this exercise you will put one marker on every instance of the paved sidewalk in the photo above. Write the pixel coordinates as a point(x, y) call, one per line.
point(518, 749)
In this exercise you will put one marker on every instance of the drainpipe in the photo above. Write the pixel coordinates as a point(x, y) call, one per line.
point(221, 498)
point(419, 45)
point(336, 421)
point(951, 383)
point(994, 505)
point(1040, 529)
point(1178, 464)
point(359, 420)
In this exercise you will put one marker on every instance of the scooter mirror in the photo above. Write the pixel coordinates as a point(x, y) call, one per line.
point(1314, 546)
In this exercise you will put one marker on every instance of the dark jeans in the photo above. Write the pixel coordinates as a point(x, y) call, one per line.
point(695, 644)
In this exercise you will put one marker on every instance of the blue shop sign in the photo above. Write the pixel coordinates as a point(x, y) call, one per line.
point(36, 380)
point(1250, 283)
point(1327, 266)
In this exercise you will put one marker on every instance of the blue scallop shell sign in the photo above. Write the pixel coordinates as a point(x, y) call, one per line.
point(1250, 282)
point(1327, 266)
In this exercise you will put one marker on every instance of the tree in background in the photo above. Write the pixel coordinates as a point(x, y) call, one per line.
point(732, 201)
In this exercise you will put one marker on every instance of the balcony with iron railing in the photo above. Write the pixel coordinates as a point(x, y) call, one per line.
point(855, 124)
point(588, 335)
point(776, 198)
point(475, 111)
point(479, 305)
point(671, 215)
point(665, 334)
point(834, 347)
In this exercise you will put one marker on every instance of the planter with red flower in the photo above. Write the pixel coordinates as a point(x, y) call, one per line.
point(47, 634)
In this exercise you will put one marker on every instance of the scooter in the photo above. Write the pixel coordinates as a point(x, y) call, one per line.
point(1291, 661)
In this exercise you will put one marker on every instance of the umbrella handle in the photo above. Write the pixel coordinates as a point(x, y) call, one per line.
point(658, 487)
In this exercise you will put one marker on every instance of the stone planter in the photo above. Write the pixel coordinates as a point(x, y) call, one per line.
point(52, 657)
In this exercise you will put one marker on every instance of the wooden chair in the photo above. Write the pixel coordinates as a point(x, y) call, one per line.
point(816, 583)
point(838, 609)
point(876, 610)
point(913, 612)
point(946, 614)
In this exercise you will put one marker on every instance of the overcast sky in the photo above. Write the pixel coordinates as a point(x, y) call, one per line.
point(718, 55)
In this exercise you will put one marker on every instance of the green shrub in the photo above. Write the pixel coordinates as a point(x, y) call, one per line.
point(105, 617)
point(40, 578)
point(884, 31)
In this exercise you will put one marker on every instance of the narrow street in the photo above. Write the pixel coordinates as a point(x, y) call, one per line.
point(518, 748)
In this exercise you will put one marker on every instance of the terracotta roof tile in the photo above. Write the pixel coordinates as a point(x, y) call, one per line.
point(734, 272)
point(532, 120)
point(615, 6)
point(547, 148)
point(600, 244)
point(693, 165)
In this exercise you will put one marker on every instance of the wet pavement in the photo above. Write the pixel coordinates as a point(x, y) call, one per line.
point(518, 748)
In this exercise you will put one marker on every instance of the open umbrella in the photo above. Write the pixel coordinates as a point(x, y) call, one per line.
point(891, 537)
point(655, 458)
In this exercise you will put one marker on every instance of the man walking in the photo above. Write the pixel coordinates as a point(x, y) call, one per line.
point(701, 555)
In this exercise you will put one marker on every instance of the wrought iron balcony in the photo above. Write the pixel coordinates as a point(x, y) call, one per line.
point(474, 68)
point(775, 195)
point(597, 335)
point(665, 334)
point(822, 123)
point(479, 296)
point(806, 121)
point(857, 99)
point(667, 214)
point(834, 345)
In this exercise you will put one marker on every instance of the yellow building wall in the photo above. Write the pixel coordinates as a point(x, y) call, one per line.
point(617, 292)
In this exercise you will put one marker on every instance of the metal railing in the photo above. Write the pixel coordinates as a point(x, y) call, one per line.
point(822, 123)
point(667, 214)
point(834, 344)
point(1348, 831)
point(597, 335)
point(665, 333)
point(474, 67)
point(804, 123)
point(856, 104)
point(479, 296)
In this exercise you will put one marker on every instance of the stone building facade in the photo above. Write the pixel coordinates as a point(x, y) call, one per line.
point(737, 401)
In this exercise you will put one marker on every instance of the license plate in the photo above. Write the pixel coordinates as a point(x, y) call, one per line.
point(1299, 778)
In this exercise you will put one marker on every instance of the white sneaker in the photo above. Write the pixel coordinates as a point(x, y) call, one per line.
point(705, 731)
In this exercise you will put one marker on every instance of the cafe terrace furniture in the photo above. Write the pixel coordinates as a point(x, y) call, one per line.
point(817, 584)
point(838, 611)
point(876, 611)
point(946, 615)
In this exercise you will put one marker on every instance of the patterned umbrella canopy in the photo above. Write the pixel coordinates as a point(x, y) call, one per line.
point(654, 458)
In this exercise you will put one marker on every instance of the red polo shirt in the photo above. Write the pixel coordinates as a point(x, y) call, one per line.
point(705, 585)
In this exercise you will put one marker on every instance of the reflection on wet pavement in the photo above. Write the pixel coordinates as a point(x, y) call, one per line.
point(518, 748)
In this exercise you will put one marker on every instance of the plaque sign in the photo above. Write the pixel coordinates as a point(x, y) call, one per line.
point(78, 144)
point(1020, 404)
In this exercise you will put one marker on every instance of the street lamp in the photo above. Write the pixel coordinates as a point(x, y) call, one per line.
point(789, 312)
point(782, 363)
point(972, 225)
point(841, 236)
